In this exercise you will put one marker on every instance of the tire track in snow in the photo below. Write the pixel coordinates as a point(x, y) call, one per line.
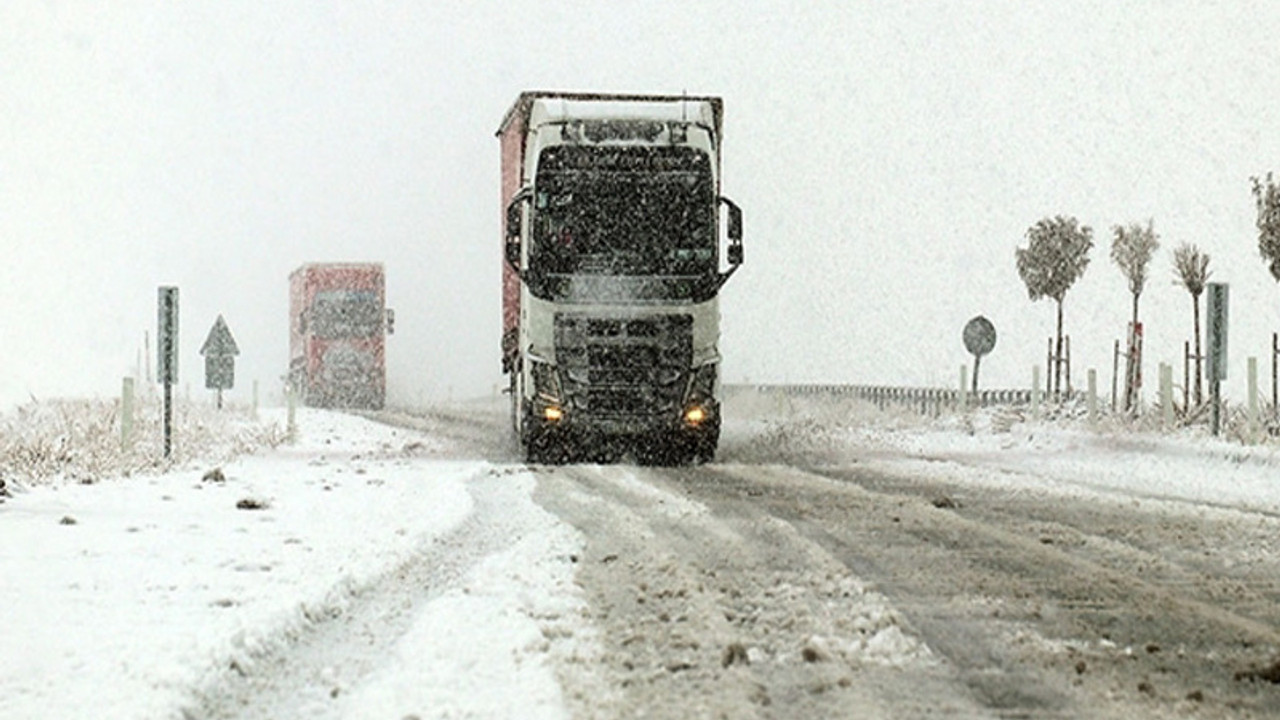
point(709, 607)
point(1038, 628)
point(306, 676)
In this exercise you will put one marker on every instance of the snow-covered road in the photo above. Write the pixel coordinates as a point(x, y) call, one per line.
point(836, 562)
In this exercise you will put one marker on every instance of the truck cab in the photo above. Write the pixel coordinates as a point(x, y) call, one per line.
point(617, 243)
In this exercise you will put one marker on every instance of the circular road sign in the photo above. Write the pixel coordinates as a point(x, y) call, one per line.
point(979, 336)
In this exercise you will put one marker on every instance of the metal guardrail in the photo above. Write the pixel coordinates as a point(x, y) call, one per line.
point(929, 401)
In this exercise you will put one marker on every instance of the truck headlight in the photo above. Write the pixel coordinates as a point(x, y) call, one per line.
point(695, 415)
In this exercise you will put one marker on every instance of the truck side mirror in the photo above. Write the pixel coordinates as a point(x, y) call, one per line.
point(390, 323)
point(514, 222)
point(734, 231)
point(735, 221)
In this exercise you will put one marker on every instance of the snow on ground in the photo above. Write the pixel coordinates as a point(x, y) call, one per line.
point(1188, 465)
point(1009, 448)
point(124, 597)
point(121, 598)
point(473, 652)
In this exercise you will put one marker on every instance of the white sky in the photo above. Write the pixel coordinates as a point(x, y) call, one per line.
point(888, 160)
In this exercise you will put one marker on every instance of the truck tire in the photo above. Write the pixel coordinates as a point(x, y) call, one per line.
point(704, 445)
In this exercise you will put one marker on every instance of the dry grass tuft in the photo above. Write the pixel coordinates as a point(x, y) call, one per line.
point(79, 441)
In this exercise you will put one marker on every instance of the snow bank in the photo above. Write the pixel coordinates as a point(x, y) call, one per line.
point(1008, 448)
point(123, 596)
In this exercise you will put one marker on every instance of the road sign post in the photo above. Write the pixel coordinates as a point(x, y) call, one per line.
point(167, 355)
point(979, 339)
point(219, 351)
point(1216, 334)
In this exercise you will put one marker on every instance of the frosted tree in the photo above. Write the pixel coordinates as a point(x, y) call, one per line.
point(1057, 253)
point(1192, 269)
point(1268, 202)
point(1131, 251)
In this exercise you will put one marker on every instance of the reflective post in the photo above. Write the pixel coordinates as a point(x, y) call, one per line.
point(1253, 399)
point(1093, 397)
point(126, 413)
point(1035, 392)
point(1166, 395)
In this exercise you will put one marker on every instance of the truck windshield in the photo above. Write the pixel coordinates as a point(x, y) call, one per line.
point(644, 212)
point(346, 313)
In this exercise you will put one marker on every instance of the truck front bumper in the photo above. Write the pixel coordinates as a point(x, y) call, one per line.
point(697, 426)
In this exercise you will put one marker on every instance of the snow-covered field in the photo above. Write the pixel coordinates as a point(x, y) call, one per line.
point(140, 596)
point(1006, 447)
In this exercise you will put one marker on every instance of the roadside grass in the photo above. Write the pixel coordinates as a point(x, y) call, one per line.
point(53, 441)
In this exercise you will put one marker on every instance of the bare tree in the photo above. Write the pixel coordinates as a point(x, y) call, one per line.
point(1057, 253)
point(1131, 250)
point(1192, 268)
point(1267, 198)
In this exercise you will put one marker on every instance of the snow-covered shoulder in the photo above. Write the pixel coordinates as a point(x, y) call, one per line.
point(119, 598)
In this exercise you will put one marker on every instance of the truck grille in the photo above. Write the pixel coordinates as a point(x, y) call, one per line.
point(624, 367)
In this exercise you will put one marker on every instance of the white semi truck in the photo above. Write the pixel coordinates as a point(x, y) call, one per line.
point(617, 242)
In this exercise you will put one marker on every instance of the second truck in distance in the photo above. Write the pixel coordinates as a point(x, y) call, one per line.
point(338, 323)
point(617, 243)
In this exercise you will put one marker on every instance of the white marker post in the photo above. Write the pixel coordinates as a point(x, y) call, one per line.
point(1166, 395)
point(1253, 400)
point(126, 413)
point(1035, 392)
point(1093, 398)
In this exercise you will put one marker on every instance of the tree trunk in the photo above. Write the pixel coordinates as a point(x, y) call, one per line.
point(1195, 306)
point(1057, 355)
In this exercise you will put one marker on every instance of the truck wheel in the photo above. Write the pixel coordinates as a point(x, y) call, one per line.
point(704, 452)
point(704, 446)
point(515, 406)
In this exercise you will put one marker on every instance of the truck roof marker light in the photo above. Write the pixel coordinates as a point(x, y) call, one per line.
point(553, 414)
point(679, 132)
point(695, 415)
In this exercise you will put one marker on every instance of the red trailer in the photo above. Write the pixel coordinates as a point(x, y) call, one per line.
point(338, 323)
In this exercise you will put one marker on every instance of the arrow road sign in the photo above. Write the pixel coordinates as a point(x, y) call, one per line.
point(219, 351)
